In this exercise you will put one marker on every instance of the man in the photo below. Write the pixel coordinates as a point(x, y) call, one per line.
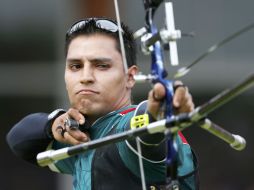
point(100, 101)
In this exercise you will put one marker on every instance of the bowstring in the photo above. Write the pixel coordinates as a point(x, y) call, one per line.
point(121, 36)
point(126, 70)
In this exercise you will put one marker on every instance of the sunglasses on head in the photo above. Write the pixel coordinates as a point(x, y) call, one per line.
point(105, 24)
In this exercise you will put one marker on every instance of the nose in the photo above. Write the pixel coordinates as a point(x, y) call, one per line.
point(87, 75)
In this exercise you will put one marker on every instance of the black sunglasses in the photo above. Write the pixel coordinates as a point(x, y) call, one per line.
point(103, 23)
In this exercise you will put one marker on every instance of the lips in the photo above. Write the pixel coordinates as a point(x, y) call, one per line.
point(87, 92)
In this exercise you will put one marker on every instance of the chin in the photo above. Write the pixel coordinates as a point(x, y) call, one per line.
point(83, 106)
point(85, 111)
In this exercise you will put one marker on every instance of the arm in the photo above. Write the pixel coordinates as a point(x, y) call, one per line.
point(32, 135)
point(35, 132)
point(153, 146)
point(29, 136)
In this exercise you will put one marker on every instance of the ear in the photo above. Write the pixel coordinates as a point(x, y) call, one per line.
point(133, 70)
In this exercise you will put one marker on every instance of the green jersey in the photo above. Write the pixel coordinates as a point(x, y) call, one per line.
point(116, 166)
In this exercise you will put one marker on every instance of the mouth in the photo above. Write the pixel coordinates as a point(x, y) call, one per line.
point(87, 92)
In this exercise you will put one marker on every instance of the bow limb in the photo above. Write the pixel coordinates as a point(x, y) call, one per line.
point(184, 70)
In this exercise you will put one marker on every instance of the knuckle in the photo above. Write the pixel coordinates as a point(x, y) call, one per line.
point(178, 82)
point(72, 111)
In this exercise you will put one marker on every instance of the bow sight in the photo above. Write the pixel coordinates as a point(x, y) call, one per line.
point(168, 35)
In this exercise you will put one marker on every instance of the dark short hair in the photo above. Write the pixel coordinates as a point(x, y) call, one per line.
point(91, 26)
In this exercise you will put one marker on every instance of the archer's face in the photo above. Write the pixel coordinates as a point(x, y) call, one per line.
point(95, 77)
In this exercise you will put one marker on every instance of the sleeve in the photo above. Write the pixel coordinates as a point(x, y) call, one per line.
point(28, 137)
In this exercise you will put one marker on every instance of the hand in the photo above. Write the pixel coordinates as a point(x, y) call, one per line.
point(182, 99)
point(64, 134)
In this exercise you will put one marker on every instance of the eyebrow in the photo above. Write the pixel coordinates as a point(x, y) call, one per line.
point(100, 59)
point(95, 59)
point(72, 60)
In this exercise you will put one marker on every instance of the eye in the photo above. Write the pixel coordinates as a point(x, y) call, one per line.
point(75, 66)
point(102, 65)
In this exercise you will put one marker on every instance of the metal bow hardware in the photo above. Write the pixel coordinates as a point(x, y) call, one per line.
point(153, 41)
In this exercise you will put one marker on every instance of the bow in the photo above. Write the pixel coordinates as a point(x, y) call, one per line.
point(153, 41)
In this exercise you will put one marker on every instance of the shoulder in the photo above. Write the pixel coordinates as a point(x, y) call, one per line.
point(125, 116)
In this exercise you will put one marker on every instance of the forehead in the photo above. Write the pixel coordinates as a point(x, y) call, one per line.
point(96, 44)
point(94, 38)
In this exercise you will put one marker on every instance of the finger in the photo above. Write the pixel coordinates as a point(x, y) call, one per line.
point(155, 97)
point(59, 133)
point(158, 92)
point(186, 105)
point(70, 140)
point(59, 126)
point(76, 115)
point(62, 135)
point(181, 96)
point(78, 135)
point(189, 105)
point(61, 119)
